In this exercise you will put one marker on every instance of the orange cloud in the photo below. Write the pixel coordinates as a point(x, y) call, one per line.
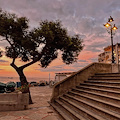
point(86, 55)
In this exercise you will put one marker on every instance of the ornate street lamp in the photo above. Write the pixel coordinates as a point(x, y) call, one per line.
point(111, 28)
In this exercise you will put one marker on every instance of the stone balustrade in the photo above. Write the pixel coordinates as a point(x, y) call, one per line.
point(79, 77)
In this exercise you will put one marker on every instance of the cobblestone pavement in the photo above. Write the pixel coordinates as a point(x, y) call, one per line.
point(40, 110)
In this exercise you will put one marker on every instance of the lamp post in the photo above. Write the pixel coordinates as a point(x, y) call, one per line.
point(111, 28)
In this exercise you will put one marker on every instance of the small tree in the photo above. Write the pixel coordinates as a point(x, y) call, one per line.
point(40, 44)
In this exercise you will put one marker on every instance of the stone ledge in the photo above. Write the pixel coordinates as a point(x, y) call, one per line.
point(14, 101)
point(8, 102)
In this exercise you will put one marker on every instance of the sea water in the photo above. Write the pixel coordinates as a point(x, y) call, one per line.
point(16, 79)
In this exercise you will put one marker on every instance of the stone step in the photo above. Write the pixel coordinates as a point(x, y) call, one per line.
point(107, 74)
point(93, 108)
point(105, 79)
point(98, 102)
point(109, 98)
point(98, 98)
point(8, 102)
point(88, 114)
point(60, 111)
point(76, 115)
point(116, 88)
point(113, 83)
point(100, 90)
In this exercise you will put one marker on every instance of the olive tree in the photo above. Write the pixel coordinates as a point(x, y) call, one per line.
point(41, 44)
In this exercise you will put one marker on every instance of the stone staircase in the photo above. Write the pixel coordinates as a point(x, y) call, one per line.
point(97, 98)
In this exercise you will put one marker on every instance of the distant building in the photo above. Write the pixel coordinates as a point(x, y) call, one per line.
point(61, 76)
point(106, 56)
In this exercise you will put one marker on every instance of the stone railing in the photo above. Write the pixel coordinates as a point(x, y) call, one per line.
point(13, 101)
point(79, 77)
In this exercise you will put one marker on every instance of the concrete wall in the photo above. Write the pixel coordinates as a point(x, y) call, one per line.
point(115, 68)
point(79, 77)
point(60, 77)
point(13, 101)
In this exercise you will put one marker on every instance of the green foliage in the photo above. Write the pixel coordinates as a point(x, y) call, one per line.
point(49, 37)
point(15, 31)
point(55, 37)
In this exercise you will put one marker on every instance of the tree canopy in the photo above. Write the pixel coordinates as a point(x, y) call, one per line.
point(40, 44)
point(49, 37)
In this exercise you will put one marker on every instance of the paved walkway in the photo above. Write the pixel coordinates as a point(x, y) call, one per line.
point(40, 110)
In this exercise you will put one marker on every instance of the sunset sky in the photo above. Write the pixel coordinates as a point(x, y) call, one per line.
point(83, 17)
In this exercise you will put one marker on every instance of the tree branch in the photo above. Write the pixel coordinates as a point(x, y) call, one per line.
point(28, 64)
point(13, 64)
point(34, 61)
point(9, 41)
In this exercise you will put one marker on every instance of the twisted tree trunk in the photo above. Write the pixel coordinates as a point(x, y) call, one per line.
point(21, 74)
point(23, 80)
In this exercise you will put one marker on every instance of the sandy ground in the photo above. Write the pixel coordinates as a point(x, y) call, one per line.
point(40, 110)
